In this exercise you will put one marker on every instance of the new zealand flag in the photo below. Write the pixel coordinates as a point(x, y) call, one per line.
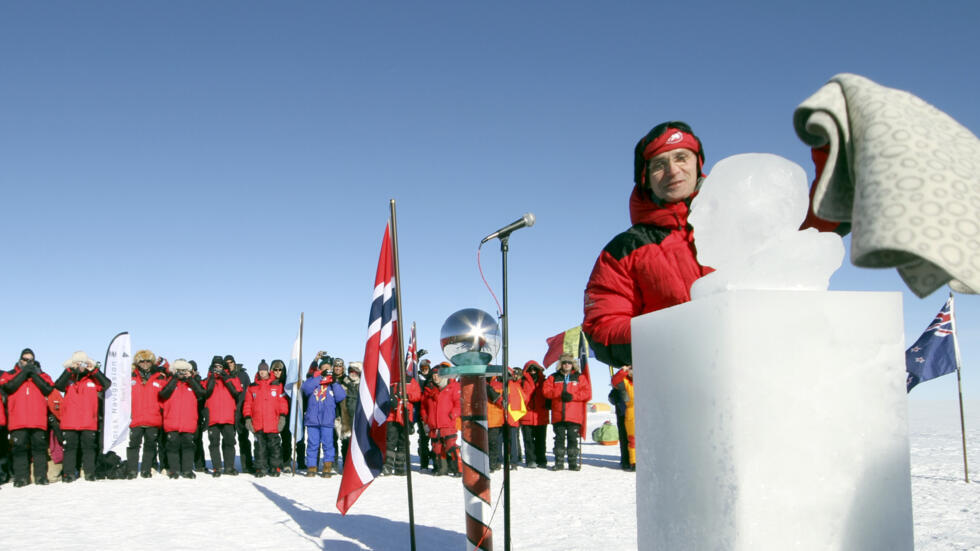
point(933, 354)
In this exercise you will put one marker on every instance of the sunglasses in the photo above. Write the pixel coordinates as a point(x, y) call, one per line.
point(277, 369)
point(27, 360)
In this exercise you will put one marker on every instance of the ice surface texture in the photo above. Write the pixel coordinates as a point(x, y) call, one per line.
point(746, 221)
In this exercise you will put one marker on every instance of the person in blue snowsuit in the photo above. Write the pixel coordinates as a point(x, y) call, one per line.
point(323, 395)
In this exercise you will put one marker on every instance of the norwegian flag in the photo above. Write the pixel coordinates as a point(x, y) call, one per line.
point(367, 444)
point(934, 354)
point(412, 356)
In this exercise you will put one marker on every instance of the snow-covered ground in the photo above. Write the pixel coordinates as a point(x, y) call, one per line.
point(591, 509)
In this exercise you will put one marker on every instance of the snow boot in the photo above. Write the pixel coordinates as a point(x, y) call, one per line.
point(311, 472)
point(327, 469)
point(443, 467)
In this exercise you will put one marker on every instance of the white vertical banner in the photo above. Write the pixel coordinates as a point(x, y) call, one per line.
point(292, 388)
point(118, 367)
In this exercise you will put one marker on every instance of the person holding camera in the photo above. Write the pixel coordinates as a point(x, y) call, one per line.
point(534, 424)
point(27, 388)
point(82, 383)
point(265, 411)
point(237, 370)
point(180, 416)
point(146, 422)
point(324, 396)
point(221, 393)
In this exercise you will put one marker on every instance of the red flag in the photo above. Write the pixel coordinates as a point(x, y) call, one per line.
point(367, 444)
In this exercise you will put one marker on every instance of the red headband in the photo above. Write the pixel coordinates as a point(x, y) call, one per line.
point(670, 140)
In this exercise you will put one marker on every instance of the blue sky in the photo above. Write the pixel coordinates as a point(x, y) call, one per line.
point(199, 173)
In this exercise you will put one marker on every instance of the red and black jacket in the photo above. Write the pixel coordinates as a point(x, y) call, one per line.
point(264, 403)
point(179, 397)
point(145, 407)
point(580, 389)
point(537, 404)
point(648, 267)
point(222, 399)
point(27, 403)
point(80, 406)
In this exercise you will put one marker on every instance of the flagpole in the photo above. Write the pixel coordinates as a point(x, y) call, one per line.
point(297, 399)
point(959, 384)
point(401, 370)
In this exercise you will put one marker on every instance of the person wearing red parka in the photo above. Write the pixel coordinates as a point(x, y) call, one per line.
point(534, 424)
point(146, 421)
point(265, 413)
point(82, 384)
point(221, 391)
point(27, 388)
point(397, 435)
point(568, 390)
point(179, 397)
point(651, 265)
point(441, 414)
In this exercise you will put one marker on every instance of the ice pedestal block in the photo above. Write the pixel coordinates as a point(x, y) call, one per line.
point(773, 420)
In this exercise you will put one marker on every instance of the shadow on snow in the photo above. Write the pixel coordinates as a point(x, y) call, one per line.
point(369, 531)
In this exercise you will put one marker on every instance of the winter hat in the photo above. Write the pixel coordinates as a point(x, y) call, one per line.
point(77, 359)
point(531, 363)
point(181, 364)
point(325, 360)
point(263, 366)
point(217, 360)
point(338, 362)
point(278, 364)
point(354, 366)
point(424, 361)
point(229, 358)
point(666, 136)
point(27, 351)
point(568, 358)
point(144, 356)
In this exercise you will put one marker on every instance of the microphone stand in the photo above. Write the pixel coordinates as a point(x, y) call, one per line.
point(505, 379)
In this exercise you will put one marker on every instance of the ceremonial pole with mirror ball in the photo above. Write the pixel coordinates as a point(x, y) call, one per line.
point(470, 338)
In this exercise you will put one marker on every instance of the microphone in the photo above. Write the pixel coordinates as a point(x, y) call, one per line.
point(525, 221)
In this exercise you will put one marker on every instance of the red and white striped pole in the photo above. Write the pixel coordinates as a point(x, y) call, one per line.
point(476, 461)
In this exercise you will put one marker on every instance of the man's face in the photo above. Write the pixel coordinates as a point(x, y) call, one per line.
point(277, 371)
point(566, 367)
point(673, 175)
point(231, 366)
point(145, 365)
point(26, 359)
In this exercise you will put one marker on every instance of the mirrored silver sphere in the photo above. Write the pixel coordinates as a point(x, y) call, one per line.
point(470, 330)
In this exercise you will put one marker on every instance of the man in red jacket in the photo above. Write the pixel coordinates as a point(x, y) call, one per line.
point(653, 264)
point(146, 420)
point(567, 389)
point(265, 412)
point(26, 387)
point(534, 424)
point(180, 416)
point(82, 384)
point(441, 414)
point(221, 392)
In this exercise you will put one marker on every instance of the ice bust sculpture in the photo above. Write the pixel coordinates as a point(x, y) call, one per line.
point(746, 221)
point(770, 412)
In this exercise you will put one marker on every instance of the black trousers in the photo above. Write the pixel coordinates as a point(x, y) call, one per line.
point(79, 441)
point(566, 442)
point(624, 444)
point(535, 446)
point(34, 441)
point(221, 441)
point(267, 451)
point(397, 447)
point(148, 436)
point(180, 452)
point(425, 451)
point(244, 446)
